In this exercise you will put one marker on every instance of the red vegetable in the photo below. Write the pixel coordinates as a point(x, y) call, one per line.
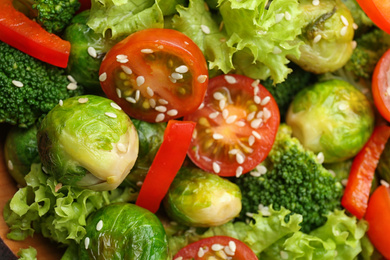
point(155, 75)
point(166, 164)
point(236, 126)
point(85, 5)
point(378, 217)
point(381, 86)
point(378, 11)
point(20, 32)
point(202, 249)
point(362, 172)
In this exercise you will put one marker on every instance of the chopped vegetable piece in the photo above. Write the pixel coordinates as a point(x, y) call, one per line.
point(381, 86)
point(19, 31)
point(378, 11)
point(166, 164)
point(357, 191)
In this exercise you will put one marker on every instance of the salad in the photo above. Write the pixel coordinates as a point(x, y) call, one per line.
point(200, 129)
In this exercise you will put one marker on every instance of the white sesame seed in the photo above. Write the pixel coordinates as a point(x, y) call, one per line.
point(240, 123)
point(83, 100)
point(140, 80)
point(256, 123)
point(121, 57)
point(186, 43)
point(182, 69)
point(205, 29)
point(201, 106)
point(317, 38)
point(240, 158)
point(231, 119)
point(213, 115)
point(255, 83)
point(122, 61)
point(112, 115)
point(320, 157)
point(225, 113)
point(137, 94)
point(127, 70)
point(230, 79)
point(216, 167)
point(10, 165)
point(344, 182)
point(218, 96)
point(234, 151)
point(265, 101)
point(256, 134)
point(217, 136)
point(343, 31)
point(283, 255)
point(279, 17)
point(115, 105)
point(353, 44)
point(228, 251)
point(61, 103)
point(251, 115)
point(86, 242)
point(267, 114)
point(172, 79)
point(287, 16)
point(202, 78)
point(71, 79)
point(160, 117)
point(71, 86)
point(239, 171)
point(277, 50)
point(161, 109)
point(176, 75)
point(92, 52)
point(121, 147)
point(385, 183)
point(315, 2)
point(355, 26)
point(103, 77)
point(251, 140)
point(147, 51)
point(232, 246)
point(257, 99)
point(344, 20)
point(118, 92)
point(200, 252)
point(131, 100)
point(152, 103)
point(163, 101)
point(249, 214)
point(172, 112)
point(217, 247)
point(264, 210)
point(99, 225)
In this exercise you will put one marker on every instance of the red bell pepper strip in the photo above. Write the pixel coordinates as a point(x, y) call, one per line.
point(168, 160)
point(20, 32)
point(357, 191)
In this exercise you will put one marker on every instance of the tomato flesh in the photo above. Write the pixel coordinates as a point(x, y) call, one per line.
point(378, 11)
point(378, 217)
point(217, 247)
point(155, 75)
point(381, 87)
point(237, 125)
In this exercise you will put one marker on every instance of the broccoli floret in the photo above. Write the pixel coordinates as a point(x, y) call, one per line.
point(29, 87)
point(53, 15)
point(370, 47)
point(284, 92)
point(295, 179)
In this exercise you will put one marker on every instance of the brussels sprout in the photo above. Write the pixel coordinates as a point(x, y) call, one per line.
point(88, 142)
point(84, 63)
point(20, 151)
point(331, 117)
point(124, 231)
point(201, 199)
point(327, 37)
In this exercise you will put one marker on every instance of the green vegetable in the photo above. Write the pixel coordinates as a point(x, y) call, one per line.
point(383, 168)
point(82, 66)
point(27, 253)
point(43, 87)
point(331, 117)
point(326, 37)
point(20, 151)
point(124, 231)
point(201, 199)
point(53, 15)
point(88, 142)
point(57, 211)
point(294, 179)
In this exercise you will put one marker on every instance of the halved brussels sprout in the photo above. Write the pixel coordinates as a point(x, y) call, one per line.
point(88, 142)
point(20, 151)
point(201, 199)
point(327, 37)
point(124, 231)
point(331, 117)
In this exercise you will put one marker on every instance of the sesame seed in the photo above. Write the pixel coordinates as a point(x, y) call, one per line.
point(205, 29)
point(320, 157)
point(160, 117)
point(216, 167)
point(279, 17)
point(127, 69)
point(200, 252)
point(265, 101)
point(249, 214)
point(71, 79)
point(239, 171)
point(257, 99)
point(234, 151)
point(287, 16)
point(256, 123)
point(222, 104)
point(240, 123)
point(267, 114)
point(343, 31)
point(353, 44)
point(225, 113)
point(137, 94)
point(230, 79)
point(71, 86)
point(112, 115)
point(255, 83)
point(147, 51)
point(92, 52)
point(231, 119)
point(152, 103)
point(99, 225)
point(218, 96)
point(202, 78)
point(83, 100)
point(344, 182)
point(201, 106)
point(355, 26)
point(256, 90)
point(232, 246)
point(61, 103)
point(217, 136)
point(317, 38)
point(217, 247)
point(163, 101)
point(261, 169)
point(264, 210)
point(240, 158)
point(140, 80)
point(121, 57)
point(161, 109)
point(256, 134)
point(251, 140)
point(150, 91)
point(119, 92)
point(251, 115)
point(213, 115)
point(121, 147)
point(131, 100)
point(186, 43)
point(315, 2)
point(344, 20)
point(182, 69)
point(385, 183)
point(114, 105)
point(10, 165)
point(103, 77)
point(172, 112)
point(277, 50)
point(86, 242)
point(176, 75)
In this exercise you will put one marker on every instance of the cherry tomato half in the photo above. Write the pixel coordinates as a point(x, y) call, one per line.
point(378, 11)
point(378, 217)
point(155, 75)
point(236, 126)
point(219, 247)
point(381, 86)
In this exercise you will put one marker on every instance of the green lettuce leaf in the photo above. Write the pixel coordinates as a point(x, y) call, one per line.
point(57, 211)
point(27, 253)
